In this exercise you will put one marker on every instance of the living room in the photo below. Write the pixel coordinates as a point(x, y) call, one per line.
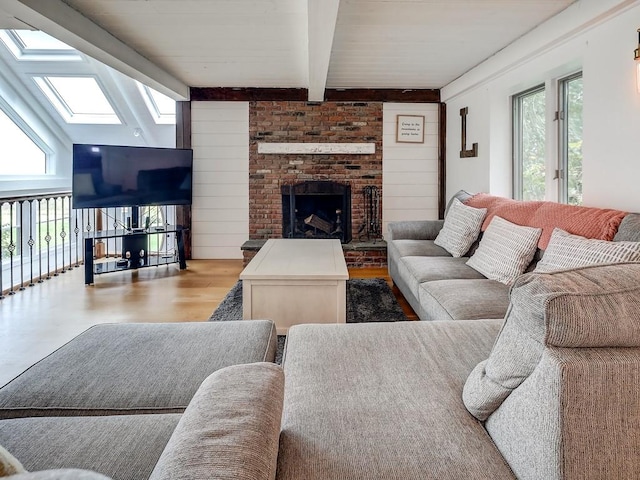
point(238, 189)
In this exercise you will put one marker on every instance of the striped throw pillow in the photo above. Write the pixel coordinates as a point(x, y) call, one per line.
point(461, 228)
point(505, 251)
point(566, 251)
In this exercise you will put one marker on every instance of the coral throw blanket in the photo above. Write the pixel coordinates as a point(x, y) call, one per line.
point(585, 221)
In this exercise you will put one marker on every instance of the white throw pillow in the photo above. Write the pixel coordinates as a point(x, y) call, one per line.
point(461, 228)
point(566, 251)
point(9, 465)
point(505, 251)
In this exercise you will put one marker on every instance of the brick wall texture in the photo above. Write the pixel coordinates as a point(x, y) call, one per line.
point(289, 122)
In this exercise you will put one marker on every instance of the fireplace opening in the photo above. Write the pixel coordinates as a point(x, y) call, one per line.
point(317, 209)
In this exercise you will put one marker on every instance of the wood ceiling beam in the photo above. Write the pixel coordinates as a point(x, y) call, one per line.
point(219, 94)
point(398, 95)
point(250, 94)
point(71, 27)
point(322, 18)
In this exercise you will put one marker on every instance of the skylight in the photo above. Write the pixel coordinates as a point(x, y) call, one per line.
point(34, 45)
point(78, 99)
point(161, 107)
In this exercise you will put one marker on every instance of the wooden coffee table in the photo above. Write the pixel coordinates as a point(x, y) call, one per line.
point(294, 281)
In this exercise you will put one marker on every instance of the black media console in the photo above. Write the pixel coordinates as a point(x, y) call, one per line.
point(138, 250)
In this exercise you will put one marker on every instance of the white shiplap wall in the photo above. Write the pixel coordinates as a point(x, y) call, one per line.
point(409, 170)
point(220, 212)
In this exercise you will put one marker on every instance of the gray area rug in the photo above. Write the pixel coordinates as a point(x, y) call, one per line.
point(368, 300)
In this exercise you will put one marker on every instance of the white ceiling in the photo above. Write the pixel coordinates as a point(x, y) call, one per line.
point(316, 44)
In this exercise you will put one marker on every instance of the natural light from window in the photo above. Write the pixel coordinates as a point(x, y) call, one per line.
point(19, 155)
point(78, 99)
point(34, 45)
point(529, 144)
point(161, 107)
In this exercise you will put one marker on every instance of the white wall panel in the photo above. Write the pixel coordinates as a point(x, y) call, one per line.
point(216, 215)
point(220, 213)
point(410, 171)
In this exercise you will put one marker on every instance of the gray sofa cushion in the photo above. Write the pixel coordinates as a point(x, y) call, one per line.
point(414, 230)
point(468, 299)
point(134, 368)
point(418, 248)
point(119, 446)
point(387, 404)
point(588, 307)
point(230, 430)
point(416, 270)
point(629, 229)
point(460, 195)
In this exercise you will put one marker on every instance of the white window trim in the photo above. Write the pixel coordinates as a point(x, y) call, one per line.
point(555, 176)
point(158, 118)
point(65, 112)
point(516, 135)
point(31, 55)
point(562, 159)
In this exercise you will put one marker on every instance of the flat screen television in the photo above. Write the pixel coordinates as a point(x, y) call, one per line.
point(122, 176)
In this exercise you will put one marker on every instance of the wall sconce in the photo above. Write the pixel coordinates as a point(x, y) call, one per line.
point(637, 57)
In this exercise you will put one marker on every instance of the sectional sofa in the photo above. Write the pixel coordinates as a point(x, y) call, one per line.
point(550, 392)
point(440, 286)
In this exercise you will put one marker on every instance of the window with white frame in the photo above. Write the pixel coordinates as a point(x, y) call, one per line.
point(161, 107)
point(19, 152)
point(78, 99)
point(570, 139)
point(532, 168)
point(529, 144)
point(34, 45)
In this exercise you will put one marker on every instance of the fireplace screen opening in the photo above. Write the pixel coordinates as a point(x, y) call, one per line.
point(317, 209)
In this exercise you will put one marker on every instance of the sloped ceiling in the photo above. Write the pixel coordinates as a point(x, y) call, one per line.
point(316, 44)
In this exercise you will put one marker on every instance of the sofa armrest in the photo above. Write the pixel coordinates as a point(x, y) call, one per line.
point(575, 417)
point(414, 230)
point(231, 428)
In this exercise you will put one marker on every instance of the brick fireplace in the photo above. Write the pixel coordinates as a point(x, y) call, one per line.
point(310, 122)
point(317, 209)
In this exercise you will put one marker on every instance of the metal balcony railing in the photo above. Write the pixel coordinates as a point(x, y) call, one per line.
point(41, 236)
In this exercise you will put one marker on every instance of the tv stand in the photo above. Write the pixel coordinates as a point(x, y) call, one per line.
point(135, 251)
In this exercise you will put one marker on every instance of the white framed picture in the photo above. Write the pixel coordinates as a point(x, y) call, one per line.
point(410, 129)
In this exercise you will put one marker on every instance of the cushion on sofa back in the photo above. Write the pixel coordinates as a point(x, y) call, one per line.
point(587, 307)
point(505, 251)
point(461, 195)
point(566, 251)
point(585, 221)
point(629, 229)
point(461, 228)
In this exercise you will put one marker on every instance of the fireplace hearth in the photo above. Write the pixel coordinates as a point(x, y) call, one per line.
point(316, 209)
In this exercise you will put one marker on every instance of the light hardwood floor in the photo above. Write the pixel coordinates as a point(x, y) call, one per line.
point(36, 321)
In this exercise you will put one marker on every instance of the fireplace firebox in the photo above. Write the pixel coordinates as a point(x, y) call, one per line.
point(317, 209)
